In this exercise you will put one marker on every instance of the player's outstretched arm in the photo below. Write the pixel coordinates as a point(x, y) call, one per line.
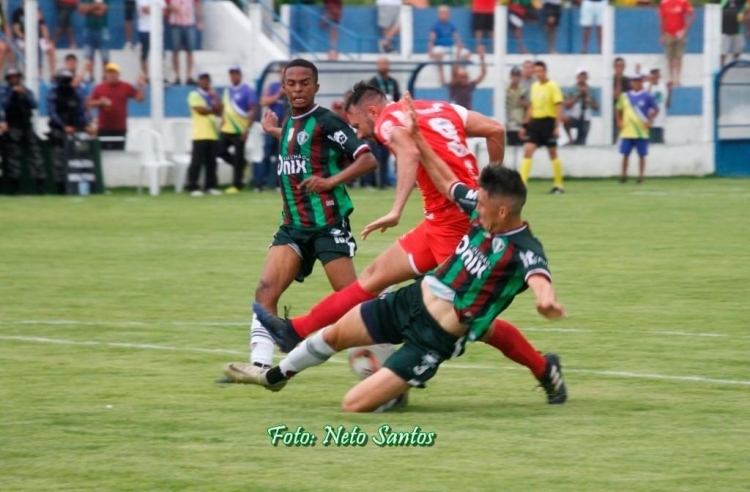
point(440, 173)
point(407, 155)
point(479, 125)
point(363, 164)
point(546, 299)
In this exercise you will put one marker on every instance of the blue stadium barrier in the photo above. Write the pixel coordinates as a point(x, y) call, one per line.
point(643, 22)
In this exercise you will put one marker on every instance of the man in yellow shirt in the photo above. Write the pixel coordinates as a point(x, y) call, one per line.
point(204, 105)
point(541, 124)
point(239, 106)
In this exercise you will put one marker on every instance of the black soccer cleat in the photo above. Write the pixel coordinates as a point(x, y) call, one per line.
point(280, 329)
point(553, 382)
point(556, 191)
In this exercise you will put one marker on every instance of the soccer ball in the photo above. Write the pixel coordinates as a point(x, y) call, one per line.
point(365, 361)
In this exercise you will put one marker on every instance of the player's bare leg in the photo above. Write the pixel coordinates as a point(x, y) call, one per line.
point(378, 392)
point(281, 267)
point(340, 272)
point(390, 267)
point(624, 175)
point(641, 168)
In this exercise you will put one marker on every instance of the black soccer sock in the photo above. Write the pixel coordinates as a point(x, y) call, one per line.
point(274, 375)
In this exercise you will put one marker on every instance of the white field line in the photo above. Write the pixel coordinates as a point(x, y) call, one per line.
point(139, 346)
point(66, 322)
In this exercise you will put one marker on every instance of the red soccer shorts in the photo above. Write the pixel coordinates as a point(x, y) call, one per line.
point(434, 240)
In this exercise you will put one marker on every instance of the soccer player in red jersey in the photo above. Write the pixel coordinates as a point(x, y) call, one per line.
point(445, 127)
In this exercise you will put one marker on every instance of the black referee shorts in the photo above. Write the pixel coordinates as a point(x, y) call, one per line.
point(540, 132)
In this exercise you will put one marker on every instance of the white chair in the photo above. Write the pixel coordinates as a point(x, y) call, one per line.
point(152, 158)
point(181, 153)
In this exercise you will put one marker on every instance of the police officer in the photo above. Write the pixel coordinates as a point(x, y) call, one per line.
point(67, 115)
point(17, 104)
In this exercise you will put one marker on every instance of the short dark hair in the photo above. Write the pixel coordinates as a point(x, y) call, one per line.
point(540, 63)
point(363, 91)
point(619, 59)
point(504, 183)
point(300, 62)
point(71, 56)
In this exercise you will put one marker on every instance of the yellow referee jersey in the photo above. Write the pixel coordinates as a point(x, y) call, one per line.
point(544, 99)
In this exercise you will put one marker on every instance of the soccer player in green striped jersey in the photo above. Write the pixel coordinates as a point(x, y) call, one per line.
point(497, 259)
point(315, 146)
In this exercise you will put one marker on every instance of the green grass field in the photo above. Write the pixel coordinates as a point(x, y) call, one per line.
point(118, 312)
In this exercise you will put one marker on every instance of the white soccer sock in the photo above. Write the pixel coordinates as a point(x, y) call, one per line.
point(311, 352)
point(261, 344)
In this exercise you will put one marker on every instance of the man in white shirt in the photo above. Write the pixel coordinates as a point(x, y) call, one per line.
point(662, 94)
point(389, 23)
point(144, 29)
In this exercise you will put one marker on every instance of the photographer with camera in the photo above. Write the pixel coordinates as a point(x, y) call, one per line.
point(579, 104)
point(17, 105)
point(67, 115)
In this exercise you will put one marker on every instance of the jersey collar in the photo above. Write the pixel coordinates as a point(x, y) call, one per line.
point(306, 114)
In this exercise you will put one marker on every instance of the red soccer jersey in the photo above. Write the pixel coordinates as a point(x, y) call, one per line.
point(443, 126)
point(673, 14)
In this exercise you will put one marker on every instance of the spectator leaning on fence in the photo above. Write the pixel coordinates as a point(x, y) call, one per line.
point(67, 115)
point(389, 22)
point(733, 15)
point(130, 13)
point(444, 38)
point(95, 33)
point(66, 9)
point(111, 99)
point(4, 47)
point(516, 103)
point(331, 19)
point(592, 15)
point(676, 17)
point(579, 104)
point(635, 112)
point(483, 20)
point(662, 94)
point(205, 106)
point(551, 12)
point(17, 105)
point(144, 29)
point(240, 105)
point(185, 19)
point(45, 43)
point(517, 12)
point(542, 123)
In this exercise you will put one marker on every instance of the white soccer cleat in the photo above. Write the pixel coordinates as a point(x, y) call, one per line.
point(214, 192)
point(195, 193)
point(246, 373)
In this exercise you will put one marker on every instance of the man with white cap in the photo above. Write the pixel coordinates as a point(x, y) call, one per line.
point(579, 104)
point(634, 114)
point(240, 104)
point(111, 99)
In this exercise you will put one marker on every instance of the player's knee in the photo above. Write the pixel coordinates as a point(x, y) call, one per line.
point(266, 293)
point(370, 279)
point(354, 404)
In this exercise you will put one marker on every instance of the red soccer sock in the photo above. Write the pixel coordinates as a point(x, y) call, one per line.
point(511, 342)
point(331, 309)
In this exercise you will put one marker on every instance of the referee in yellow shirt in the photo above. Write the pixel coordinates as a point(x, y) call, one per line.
point(541, 124)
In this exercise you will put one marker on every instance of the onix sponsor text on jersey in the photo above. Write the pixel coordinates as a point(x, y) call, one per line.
point(292, 164)
point(475, 262)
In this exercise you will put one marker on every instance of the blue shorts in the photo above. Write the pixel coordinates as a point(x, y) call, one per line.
point(144, 38)
point(93, 40)
point(639, 144)
point(184, 38)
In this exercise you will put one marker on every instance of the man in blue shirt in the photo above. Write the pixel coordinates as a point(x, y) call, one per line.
point(444, 39)
point(276, 102)
point(240, 106)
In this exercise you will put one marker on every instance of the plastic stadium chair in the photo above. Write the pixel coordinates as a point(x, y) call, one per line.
point(152, 159)
point(180, 152)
